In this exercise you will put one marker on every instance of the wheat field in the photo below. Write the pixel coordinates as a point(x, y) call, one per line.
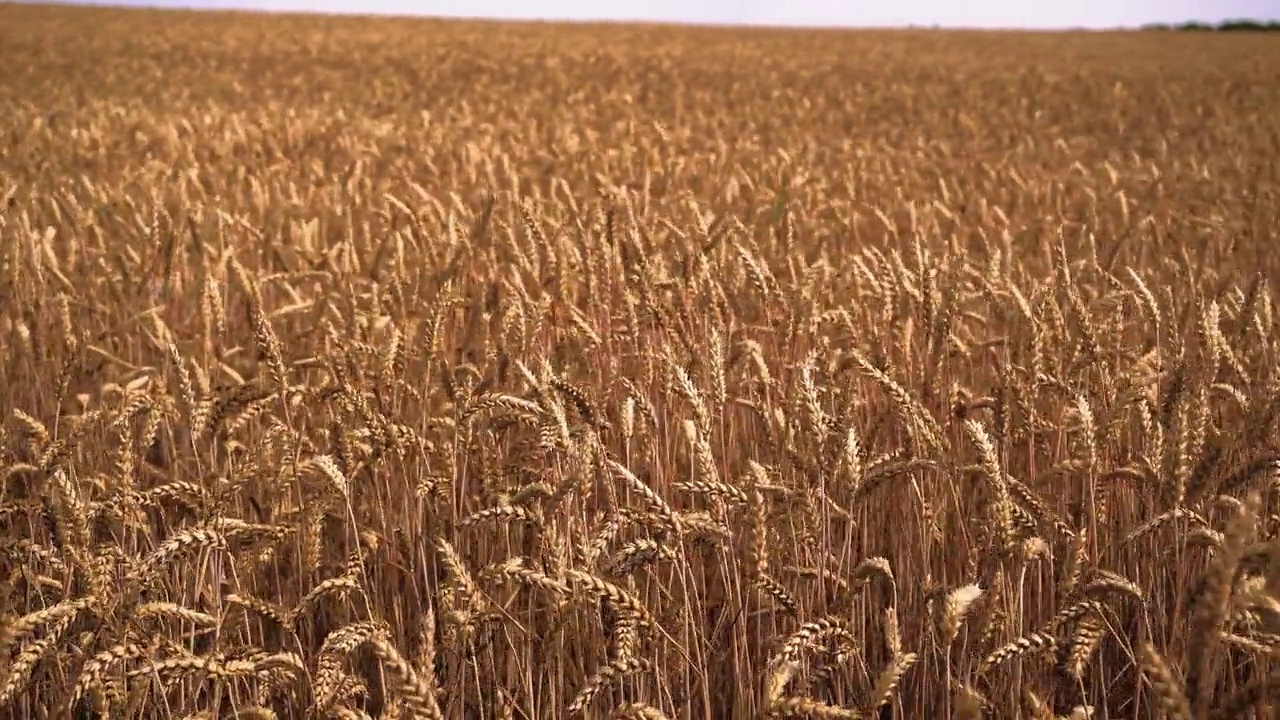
point(419, 369)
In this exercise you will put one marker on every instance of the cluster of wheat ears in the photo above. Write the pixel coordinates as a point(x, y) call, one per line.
point(499, 379)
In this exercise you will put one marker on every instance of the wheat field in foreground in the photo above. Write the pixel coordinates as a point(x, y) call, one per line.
point(372, 368)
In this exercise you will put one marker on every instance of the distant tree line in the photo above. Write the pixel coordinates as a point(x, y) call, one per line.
point(1227, 26)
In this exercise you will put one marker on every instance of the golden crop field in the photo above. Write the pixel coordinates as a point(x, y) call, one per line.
point(419, 369)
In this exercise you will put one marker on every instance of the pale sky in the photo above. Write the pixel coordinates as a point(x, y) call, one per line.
point(946, 13)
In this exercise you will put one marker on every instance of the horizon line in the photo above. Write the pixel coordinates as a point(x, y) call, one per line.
point(250, 8)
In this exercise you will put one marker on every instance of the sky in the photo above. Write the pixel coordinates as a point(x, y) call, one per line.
point(854, 13)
